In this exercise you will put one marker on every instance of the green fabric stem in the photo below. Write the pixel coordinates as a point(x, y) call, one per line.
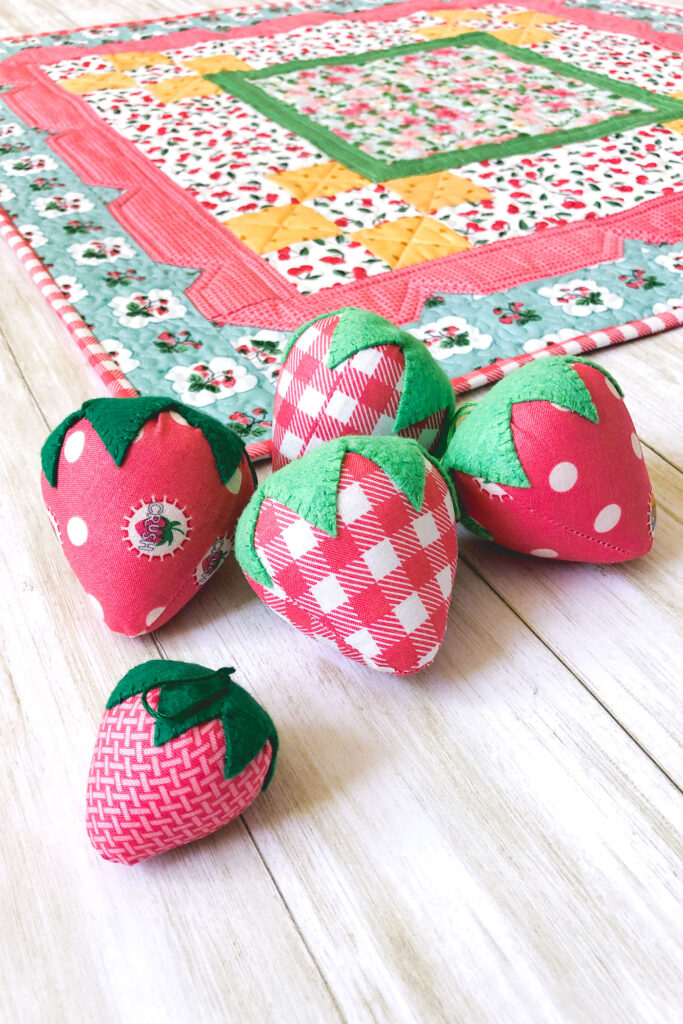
point(118, 421)
point(190, 695)
point(309, 487)
point(482, 444)
point(426, 388)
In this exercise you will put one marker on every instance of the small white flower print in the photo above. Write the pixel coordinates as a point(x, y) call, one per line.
point(123, 357)
point(452, 336)
point(59, 206)
point(672, 261)
point(10, 130)
point(205, 383)
point(71, 288)
point(6, 193)
point(17, 167)
point(33, 235)
point(669, 306)
point(581, 297)
point(101, 250)
point(264, 350)
point(142, 308)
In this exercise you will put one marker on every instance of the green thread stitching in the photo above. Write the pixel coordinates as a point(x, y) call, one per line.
point(309, 487)
point(117, 421)
point(191, 695)
point(426, 388)
point(483, 445)
point(239, 83)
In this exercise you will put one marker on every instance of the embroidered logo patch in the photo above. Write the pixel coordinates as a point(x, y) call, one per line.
point(156, 528)
point(214, 557)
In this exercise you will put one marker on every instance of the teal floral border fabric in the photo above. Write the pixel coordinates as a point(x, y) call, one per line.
point(139, 310)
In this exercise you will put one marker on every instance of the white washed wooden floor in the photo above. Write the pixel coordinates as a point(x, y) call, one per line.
point(495, 840)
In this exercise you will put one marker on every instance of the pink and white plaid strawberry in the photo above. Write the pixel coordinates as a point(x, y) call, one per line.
point(549, 463)
point(354, 373)
point(356, 544)
point(180, 752)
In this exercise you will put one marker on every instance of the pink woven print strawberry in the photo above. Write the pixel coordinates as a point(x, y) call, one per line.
point(144, 494)
point(181, 751)
point(355, 543)
point(352, 372)
point(549, 463)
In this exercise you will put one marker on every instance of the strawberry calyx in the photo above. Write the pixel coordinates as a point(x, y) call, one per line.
point(118, 421)
point(190, 695)
point(309, 487)
point(482, 443)
point(426, 388)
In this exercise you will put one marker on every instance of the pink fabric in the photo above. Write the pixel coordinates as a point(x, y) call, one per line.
point(380, 590)
point(175, 230)
point(143, 799)
point(314, 404)
point(142, 538)
point(590, 498)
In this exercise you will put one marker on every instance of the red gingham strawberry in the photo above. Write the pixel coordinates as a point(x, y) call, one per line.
point(144, 495)
point(352, 372)
point(180, 752)
point(355, 543)
point(549, 463)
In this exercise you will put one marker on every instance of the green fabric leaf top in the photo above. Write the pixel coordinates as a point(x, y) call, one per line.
point(309, 487)
point(118, 421)
point(426, 388)
point(191, 695)
point(482, 444)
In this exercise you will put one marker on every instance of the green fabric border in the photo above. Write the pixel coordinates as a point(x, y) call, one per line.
point(240, 84)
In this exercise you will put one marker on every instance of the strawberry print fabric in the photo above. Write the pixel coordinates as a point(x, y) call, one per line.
point(590, 498)
point(143, 538)
point(405, 107)
point(144, 799)
point(207, 229)
point(314, 404)
point(380, 590)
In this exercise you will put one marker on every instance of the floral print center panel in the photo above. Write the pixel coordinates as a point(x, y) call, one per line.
point(416, 104)
point(320, 228)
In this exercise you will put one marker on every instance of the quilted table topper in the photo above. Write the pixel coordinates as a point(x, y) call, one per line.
point(495, 178)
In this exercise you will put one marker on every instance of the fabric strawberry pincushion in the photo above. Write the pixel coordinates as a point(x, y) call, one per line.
point(203, 750)
point(144, 495)
point(548, 463)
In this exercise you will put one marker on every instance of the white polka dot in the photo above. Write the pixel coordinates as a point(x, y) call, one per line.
point(544, 553)
point(96, 606)
point(154, 615)
point(235, 482)
point(563, 476)
point(637, 450)
point(611, 387)
point(607, 518)
point(76, 531)
point(178, 418)
point(73, 446)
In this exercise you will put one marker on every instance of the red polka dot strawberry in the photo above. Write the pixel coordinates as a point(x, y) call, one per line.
point(144, 495)
point(548, 463)
point(352, 372)
point(181, 751)
point(355, 544)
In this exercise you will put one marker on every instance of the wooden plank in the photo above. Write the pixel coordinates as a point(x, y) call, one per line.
point(480, 843)
point(202, 934)
point(617, 627)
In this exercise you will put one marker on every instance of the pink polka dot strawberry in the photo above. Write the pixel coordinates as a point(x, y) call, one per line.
point(352, 372)
point(355, 544)
point(180, 752)
point(144, 495)
point(549, 463)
